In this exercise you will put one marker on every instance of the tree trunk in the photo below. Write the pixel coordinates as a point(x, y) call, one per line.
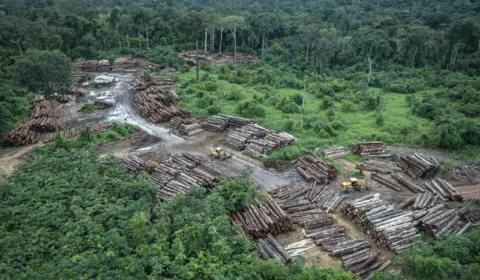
point(263, 44)
point(303, 103)
point(414, 54)
point(128, 41)
point(148, 46)
point(235, 45)
point(370, 70)
point(118, 34)
point(196, 60)
point(221, 39)
point(454, 56)
point(206, 36)
point(306, 57)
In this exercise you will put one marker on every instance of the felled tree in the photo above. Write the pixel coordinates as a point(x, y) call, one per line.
point(45, 72)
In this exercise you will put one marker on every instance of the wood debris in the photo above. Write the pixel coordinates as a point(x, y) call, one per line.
point(335, 152)
point(418, 166)
point(262, 219)
point(20, 136)
point(191, 56)
point(370, 149)
point(317, 169)
point(122, 63)
point(134, 164)
point(391, 228)
point(222, 122)
point(269, 248)
point(467, 174)
point(103, 104)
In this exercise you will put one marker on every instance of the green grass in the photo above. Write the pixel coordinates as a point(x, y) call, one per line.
point(361, 124)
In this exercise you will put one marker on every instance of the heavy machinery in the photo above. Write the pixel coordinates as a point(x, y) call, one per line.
point(219, 154)
point(355, 185)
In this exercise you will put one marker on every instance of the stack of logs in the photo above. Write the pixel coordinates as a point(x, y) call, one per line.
point(44, 117)
point(407, 183)
point(180, 172)
point(262, 219)
point(299, 201)
point(370, 149)
point(122, 63)
point(335, 152)
point(391, 228)
point(222, 122)
point(269, 248)
point(74, 132)
point(419, 201)
point(186, 126)
point(418, 166)
point(20, 136)
point(103, 65)
point(103, 104)
point(316, 169)
point(190, 56)
point(257, 141)
point(151, 103)
point(444, 190)
point(134, 164)
point(380, 166)
point(438, 220)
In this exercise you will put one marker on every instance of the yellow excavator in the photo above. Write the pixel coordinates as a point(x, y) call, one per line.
point(219, 154)
point(355, 185)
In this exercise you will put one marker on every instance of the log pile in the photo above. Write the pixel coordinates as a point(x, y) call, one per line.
point(391, 228)
point(262, 219)
point(20, 136)
point(229, 57)
point(123, 63)
point(380, 166)
point(317, 169)
point(90, 65)
point(467, 174)
point(438, 220)
point(257, 141)
point(222, 122)
point(154, 81)
point(418, 166)
point(151, 103)
point(134, 164)
point(444, 190)
point(269, 248)
point(180, 172)
point(45, 116)
point(335, 152)
point(190, 56)
point(370, 149)
point(419, 201)
point(103, 65)
point(176, 122)
point(75, 131)
point(77, 91)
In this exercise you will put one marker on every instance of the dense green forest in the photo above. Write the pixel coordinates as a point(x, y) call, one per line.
point(357, 58)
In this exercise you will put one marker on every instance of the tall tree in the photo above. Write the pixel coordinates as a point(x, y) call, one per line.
point(232, 23)
point(267, 23)
point(193, 23)
point(44, 72)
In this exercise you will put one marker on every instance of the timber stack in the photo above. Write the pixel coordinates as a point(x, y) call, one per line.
point(75, 131)
point(438, 220)
point(180, 172)
point(419, 201)
point(152, 104)
point(391, 228)
point(269, 248)
point(380, 166)
point(20, 136)
point(103, 65)
point(103, 104)
point(134, 164)
point(77, 91)
point(262, 219)
point(190, 129)
point(155, 81)
point(444, 190)
point(222, 122)
point(191, 56)
point(123, 63)
point(316, 169)
point(335, 152)
point(45, 116)
point(257, 141)
point(418, 166)
point(370, 149)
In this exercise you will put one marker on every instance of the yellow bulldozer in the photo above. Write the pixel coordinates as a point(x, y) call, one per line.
point(219, 154)
point(355, 184)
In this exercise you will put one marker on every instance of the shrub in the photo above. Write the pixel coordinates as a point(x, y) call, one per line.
point(288, 125)
point(248, 109)
point(185, 69)
point(234, 95)
point(87, 107)
point(209, 86)
point(146, 76)
point(347, 106)
point(380, 120)
point(327, 102)
point(297, 98)
point(214, 109)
